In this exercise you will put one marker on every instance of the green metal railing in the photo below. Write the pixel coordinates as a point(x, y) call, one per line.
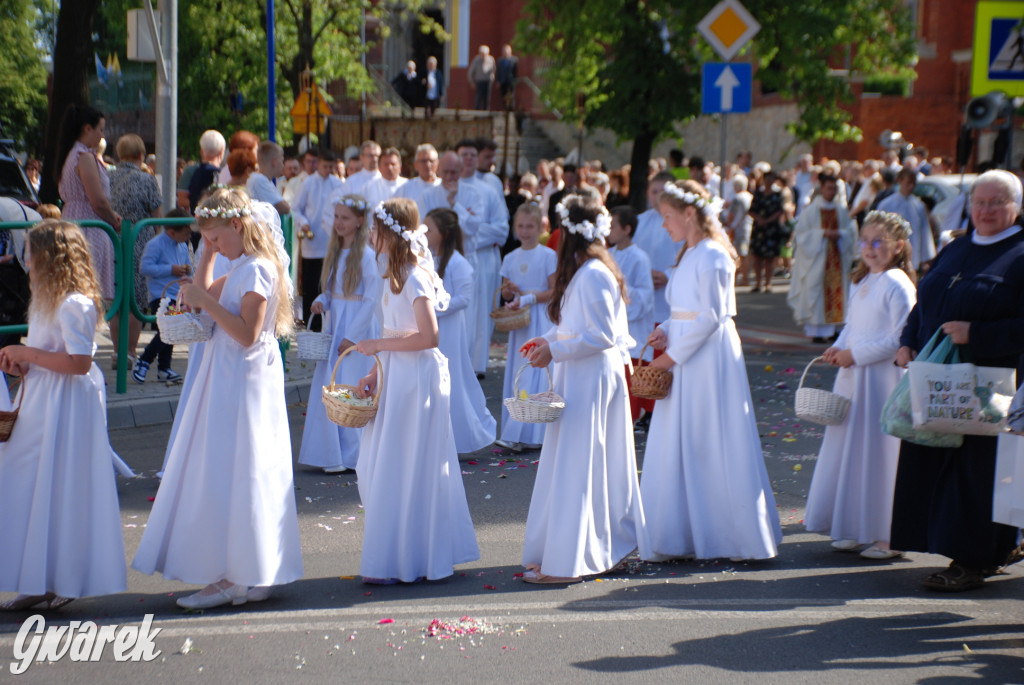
point(124, 304)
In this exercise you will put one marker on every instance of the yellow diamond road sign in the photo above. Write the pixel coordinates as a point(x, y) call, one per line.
point(728, 27)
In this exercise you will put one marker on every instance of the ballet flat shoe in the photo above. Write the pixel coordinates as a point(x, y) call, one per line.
point(845, 545)
point(235, 595)
point(880, 554)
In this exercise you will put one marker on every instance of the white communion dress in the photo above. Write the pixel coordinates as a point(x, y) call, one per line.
point(585, 513)
point(529, 270)
point(852, 489)
point(472, 423)
point(705, 487)
point(226, 507)
point(60, 522)
point(351, 317)
point(417, 518)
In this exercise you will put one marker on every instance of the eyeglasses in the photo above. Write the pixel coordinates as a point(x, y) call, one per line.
point(875, 244)
point(990, 204)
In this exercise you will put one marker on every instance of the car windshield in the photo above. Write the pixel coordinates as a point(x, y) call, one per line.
point(13, 182)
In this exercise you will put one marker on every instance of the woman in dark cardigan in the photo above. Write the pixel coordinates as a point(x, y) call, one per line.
point(974, 292)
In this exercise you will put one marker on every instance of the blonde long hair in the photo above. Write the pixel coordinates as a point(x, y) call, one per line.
point(398, 250)
point(707, 223)
point(256, 242)
point(60, 265)
point(354, 261)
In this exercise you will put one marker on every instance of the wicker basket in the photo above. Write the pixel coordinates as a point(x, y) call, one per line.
point(544, 407)
point(181, 329)
point(648, 382)
point(314, 346)
point(506, 319)
point(350, 415)
point(820, 406)
point(7, 418)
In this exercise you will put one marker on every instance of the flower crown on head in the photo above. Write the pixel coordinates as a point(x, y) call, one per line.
point(591, 230)
point(898, 226)
point(353, 203)
point(222, 212)
point(411, 236)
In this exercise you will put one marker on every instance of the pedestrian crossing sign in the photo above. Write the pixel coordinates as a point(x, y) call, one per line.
point(998, 62)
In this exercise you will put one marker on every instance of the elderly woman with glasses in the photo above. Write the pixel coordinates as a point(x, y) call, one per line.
point(974, 293)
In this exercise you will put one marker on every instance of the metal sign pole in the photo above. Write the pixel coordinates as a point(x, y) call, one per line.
point(722, 154)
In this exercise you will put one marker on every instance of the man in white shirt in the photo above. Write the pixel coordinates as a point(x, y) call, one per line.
point(804, 182)
point(425, 164)
point(488, 149)
point(369, 157)
point(314, 217)
point(291, 179)
point(490, 237)
point(458, 197)
point(259, 185)
point(390, 180)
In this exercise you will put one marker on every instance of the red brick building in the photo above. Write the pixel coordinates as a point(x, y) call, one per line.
point(933, 112)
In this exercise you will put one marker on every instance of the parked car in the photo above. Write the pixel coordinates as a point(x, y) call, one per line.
point(944, 189)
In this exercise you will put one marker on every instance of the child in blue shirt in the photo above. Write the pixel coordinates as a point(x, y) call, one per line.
point(165, 259)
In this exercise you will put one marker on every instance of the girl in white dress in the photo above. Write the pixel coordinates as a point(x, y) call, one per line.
point(417, 518)
point(527, 280)
point(225, 512)
point(472, 423)
point(851, 493)
point(348, 297)
point(706, 491)
point(585, 514)
point(60, 524)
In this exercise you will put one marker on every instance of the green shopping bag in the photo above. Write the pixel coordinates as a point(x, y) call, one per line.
point(897, 414)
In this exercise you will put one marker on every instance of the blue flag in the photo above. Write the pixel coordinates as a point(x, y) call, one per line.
point(101, 71)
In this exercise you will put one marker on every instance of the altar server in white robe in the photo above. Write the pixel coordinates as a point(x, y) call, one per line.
point(390, 180)
point(824, 239)
point(910, 207)
point(585, 514)
point(661, 249)
point(473, 425)
point(425, 163)
point(490, 236)
point(705, 487)
point(851, 495)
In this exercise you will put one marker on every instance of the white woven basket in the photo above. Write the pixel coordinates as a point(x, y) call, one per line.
point(184, 328)
point(544, 407)
point(314, 346)
point(820, 406)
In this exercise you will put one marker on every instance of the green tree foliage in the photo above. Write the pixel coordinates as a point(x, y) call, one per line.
point(222, 50)
point(637, 62)
point(22, 76)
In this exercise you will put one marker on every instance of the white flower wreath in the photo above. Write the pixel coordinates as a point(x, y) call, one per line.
point(591, 230)
point(411, 236)
point(712, 208)
point(222, 212)
point(352, 203)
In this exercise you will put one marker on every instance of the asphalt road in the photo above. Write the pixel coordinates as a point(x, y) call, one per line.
point(810, 616)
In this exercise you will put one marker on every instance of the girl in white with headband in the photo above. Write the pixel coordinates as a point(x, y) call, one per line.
point(348, 299)
point(585, 514)
point(417, 518)
point(225, 516)
point(705, 488)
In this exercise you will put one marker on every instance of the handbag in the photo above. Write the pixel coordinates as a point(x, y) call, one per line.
point(897, 414)
point(1008, 490)
point(954, 397)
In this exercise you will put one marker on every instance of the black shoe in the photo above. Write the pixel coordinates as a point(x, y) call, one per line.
point(818, 340)
point(481, 376)
point(643, 423)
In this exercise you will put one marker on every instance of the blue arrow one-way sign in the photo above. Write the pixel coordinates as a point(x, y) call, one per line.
point(726, 87)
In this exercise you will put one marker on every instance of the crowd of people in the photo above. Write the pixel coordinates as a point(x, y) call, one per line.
point(409, 271)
